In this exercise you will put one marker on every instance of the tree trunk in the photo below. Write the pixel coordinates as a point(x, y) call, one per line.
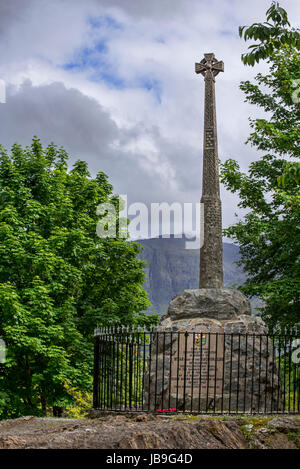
point(58, 411)
point(44, 404)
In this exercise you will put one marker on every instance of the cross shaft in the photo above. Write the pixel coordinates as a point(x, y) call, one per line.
point(211, 252)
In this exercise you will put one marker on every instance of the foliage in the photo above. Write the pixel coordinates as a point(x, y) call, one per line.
point(291, 173)
point(58, 279)
point(82, 402)
point(269, 234)
point(271, 35)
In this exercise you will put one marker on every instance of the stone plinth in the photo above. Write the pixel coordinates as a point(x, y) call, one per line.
point(215, 303)
point(222, 360)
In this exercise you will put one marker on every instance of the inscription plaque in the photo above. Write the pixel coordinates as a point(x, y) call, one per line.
point(197, 363)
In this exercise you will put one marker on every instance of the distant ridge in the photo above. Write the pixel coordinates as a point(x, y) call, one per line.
point(172, 268)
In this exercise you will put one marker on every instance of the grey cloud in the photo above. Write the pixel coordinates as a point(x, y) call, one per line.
point(13, 12)
point(86, 130)
point(41, 29)
point(146, 9)
point(55, 113)
point(47, 32)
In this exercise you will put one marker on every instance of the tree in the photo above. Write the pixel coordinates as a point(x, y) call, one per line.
point(269, 234)
point(271, 36)
point(58, 279)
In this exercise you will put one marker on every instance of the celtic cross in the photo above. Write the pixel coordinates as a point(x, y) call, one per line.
point(209, 67)
point(211, 252)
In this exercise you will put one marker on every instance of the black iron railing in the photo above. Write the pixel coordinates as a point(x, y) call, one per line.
point(196, 371)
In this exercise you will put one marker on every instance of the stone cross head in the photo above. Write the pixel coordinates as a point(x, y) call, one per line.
point(209, 67)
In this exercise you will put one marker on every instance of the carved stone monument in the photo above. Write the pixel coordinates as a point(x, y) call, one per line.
point(212, 364)
point(211, 300)
point(211, 253)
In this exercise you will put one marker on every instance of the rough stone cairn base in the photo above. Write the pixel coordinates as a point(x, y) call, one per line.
point(222, 360)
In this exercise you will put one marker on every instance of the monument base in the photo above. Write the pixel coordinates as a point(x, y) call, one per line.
point(211, 357)
point(215, 303)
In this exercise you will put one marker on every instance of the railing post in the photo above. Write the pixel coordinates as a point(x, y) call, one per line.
point(96, 372)
point(130, 369)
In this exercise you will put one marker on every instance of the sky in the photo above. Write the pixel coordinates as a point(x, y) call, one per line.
point(113, 81)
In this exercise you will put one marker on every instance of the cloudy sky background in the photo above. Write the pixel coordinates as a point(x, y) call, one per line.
point(113, 82)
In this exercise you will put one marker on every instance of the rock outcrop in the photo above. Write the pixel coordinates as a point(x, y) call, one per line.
point(216, 303)
point(145, 431)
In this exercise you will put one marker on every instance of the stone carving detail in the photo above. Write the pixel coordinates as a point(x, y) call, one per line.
point(209, 139)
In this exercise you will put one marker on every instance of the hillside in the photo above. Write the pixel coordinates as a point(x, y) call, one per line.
point(172, 268)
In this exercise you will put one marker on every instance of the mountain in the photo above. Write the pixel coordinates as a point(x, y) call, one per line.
point(173, 268)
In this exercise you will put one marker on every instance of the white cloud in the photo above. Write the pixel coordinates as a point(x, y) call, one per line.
point(146, 133)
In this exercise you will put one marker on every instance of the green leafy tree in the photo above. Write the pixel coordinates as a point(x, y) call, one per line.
point(269, 234)
point(270, 35)
point(58, 279)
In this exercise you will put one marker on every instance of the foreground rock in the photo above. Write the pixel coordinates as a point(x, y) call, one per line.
point(151, 432)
